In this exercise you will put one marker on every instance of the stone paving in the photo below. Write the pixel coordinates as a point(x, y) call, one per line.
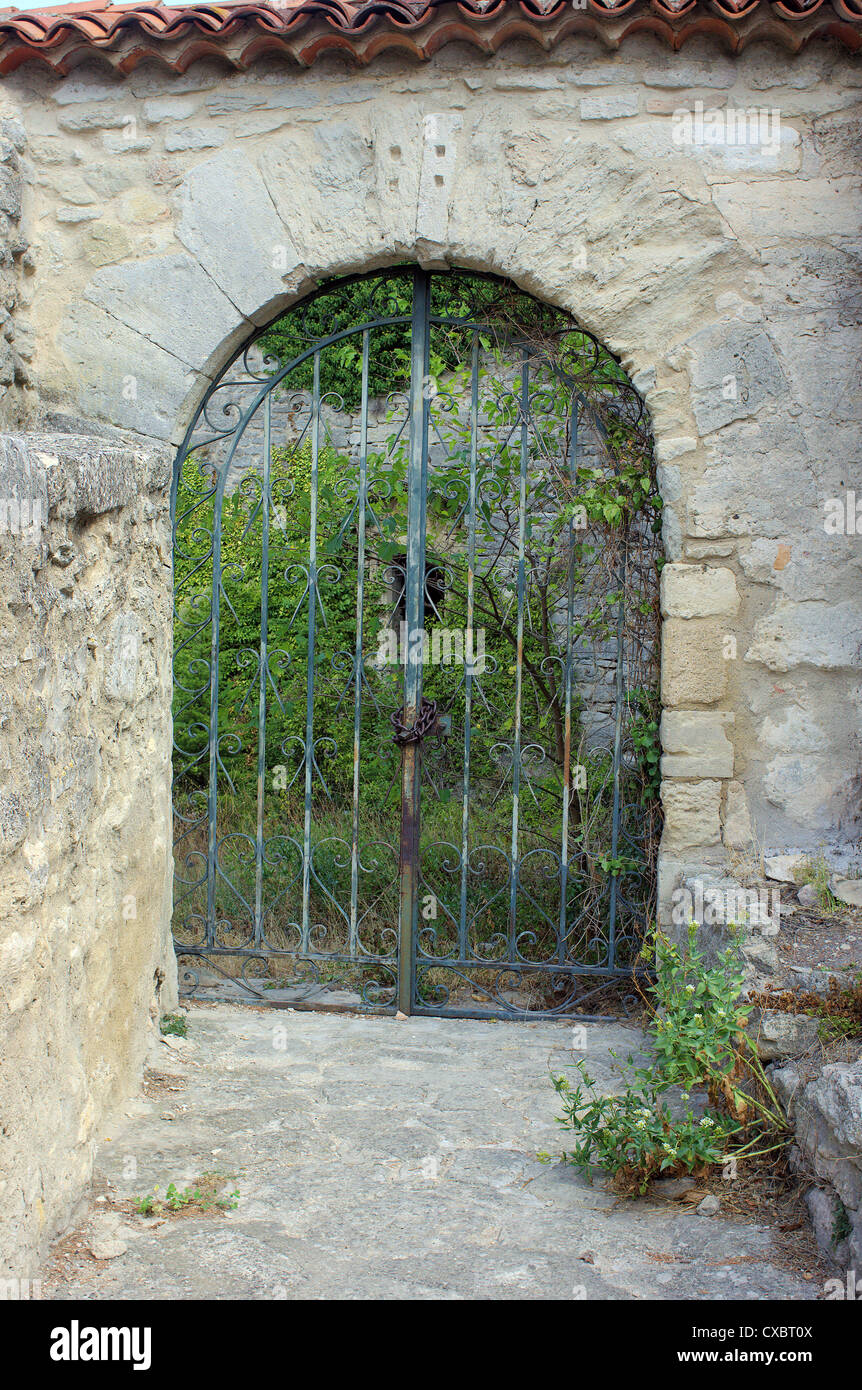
point(381, 1159)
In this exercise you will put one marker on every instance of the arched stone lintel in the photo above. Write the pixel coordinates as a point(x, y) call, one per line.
point(254, 230)
point(231, 347)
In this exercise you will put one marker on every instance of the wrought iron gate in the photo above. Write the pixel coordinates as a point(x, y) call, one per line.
point(414, 671)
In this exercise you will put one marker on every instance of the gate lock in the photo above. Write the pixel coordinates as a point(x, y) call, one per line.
point(426, 722)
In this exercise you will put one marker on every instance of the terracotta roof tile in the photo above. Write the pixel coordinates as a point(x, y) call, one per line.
point(65, 35)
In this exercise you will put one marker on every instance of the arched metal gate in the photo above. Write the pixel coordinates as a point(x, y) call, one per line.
point(415, 655)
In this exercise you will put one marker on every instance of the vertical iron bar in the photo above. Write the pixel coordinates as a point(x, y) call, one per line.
point(468, 669)
point(212, 789)
point(415, 614)
point(618, 741)
point(567, 755)
point(358, 668)
point(261, 709)
point(519, 668)
point(312, 614)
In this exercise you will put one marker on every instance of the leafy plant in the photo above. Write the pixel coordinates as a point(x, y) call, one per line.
point(636, 1136)
point(616, 864)
point(365, 300)
point(616, 498)
point(204, 1195)
point(174, 1025)
point(695, 1031)
point(646, 741)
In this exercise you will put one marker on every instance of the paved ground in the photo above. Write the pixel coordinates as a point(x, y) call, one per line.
point(382, 1159)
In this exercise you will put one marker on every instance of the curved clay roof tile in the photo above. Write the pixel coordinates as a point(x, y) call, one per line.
point(61, 36)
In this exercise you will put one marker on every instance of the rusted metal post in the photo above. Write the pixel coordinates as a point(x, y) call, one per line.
point(415, 614)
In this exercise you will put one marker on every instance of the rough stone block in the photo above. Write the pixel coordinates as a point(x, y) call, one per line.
point(671, 533)
point(695, 744)
point(667, 449)
point(825, 635)
point(814, 790)
point(737, 831)
point(194, 139)
point(828, 1115)
point(171, 300)
point(121, 142)
point(108, 118)
point(10, 193)
point(847, 890)
point(169, 108)
point(156, 383)
point(718, 72)
point(759, 217)
point(793, 730)
point(698, 591)
point(784, 868)
point(778, 1035)
point(734, 370)
point(106, 243)
point(758, 482)
point(14, 132)
point(608, 108)
point(76, 91)
point(693, 666)
point(219, 195)
point(74, 215)
point(691, 814)
point(822, 1209)
point(84, 812)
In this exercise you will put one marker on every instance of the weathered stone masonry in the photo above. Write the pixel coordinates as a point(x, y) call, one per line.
point(167, 214)
point(85, 830)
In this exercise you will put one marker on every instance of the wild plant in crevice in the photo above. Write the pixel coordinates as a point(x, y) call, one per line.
point(650, 1128)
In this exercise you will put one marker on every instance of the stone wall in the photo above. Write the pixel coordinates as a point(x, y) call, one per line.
point(825, 1106)
point(174, 213)
point(85, 832)
point(17, 265)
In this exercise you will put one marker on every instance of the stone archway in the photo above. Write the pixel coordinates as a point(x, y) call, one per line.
point(404, 192)
point(566, 221)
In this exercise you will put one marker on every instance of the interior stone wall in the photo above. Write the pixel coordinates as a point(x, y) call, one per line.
point(86, 961)
point(166, 216)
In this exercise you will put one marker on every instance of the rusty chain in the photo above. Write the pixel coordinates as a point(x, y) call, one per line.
point(423, 724)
